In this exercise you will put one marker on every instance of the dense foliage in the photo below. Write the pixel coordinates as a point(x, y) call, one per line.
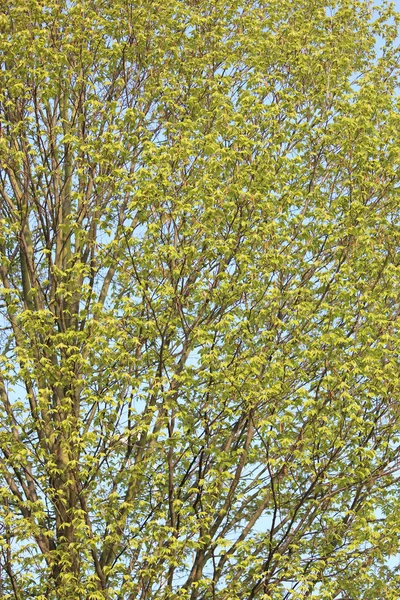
point(199, 311)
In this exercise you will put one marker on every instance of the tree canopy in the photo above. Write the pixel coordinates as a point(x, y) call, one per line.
point(199, 302)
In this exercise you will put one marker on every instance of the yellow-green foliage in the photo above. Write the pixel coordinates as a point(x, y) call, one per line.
point(199, 303)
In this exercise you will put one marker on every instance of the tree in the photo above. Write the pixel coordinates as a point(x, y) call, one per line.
point(199, 243)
